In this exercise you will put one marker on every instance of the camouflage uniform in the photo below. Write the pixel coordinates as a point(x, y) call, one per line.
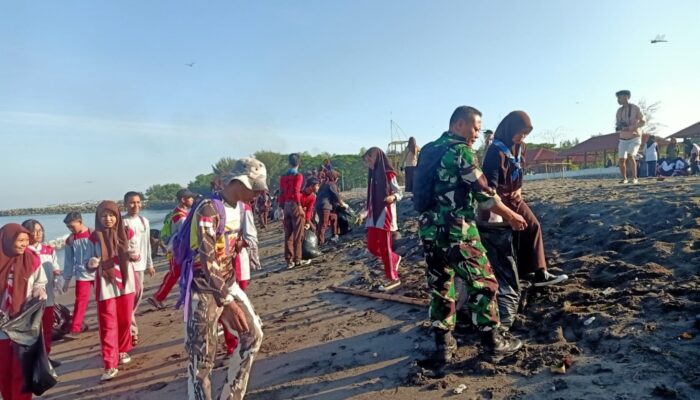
point(451, 240)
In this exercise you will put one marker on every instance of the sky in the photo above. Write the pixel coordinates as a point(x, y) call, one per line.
point(96, 98)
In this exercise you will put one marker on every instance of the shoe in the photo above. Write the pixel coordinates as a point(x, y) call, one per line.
point(290, 265)
point(499, 344)
point(302, 263)
point(71, 336)
point(445, 345)
point(624, 181)
point(335, 239)
point(635, 181)
point(390, 286)
point(124, 358)
point(55, 363)
point(159, 305)
point(109, 374)
point(544, 278)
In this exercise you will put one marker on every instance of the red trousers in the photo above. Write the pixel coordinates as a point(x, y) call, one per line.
point(11, 378)
point(82, 298)
point(231, 339)
point(47, 326)
point(169, 281)
point(379, 243)
point(114, 316)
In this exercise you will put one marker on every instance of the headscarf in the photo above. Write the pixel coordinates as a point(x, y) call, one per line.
point(650, 141)
point(24, 265)
point(512, 124)
point(412, 146)
point(378, 184)
point(113, 242)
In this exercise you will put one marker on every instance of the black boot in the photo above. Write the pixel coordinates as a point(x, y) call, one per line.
point(499, 345)
point(446, 346)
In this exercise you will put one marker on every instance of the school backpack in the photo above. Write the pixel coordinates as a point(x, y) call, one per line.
point(167, 230)
point(425, 174)
point(184, 254)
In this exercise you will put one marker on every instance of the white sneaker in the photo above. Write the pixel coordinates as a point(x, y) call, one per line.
point(635, 181)
point(624, 181)
point(109, 374)
point(390, 286)
point(301, 263)
point(291, 265)
point(124, 358)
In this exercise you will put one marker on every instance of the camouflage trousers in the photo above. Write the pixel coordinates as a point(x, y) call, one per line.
point(201, 344)
point(469, 262)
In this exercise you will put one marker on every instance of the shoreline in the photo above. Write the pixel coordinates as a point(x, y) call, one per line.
point(86, 207)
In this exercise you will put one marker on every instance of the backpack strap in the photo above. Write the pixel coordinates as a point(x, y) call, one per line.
point(514, 161)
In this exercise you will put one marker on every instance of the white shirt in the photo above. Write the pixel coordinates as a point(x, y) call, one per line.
point(140, 243)
point(651, 152)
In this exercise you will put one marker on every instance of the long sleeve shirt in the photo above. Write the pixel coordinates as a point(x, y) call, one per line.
point(35, 281)
point(78, 251)
point(388, 219)
point(290, 188)
point(124, 285)
point(140, 242)
point(328, 197)
point(49, 262)
point(308, 200)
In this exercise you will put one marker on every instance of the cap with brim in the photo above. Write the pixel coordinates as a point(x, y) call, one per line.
point(250, 172)
point(623, 93)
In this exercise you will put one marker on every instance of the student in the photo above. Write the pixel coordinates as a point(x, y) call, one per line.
point(308, 202)
point(214, 292)
point(651, 155)
point(78, 251)
point(672, 150)
point(185, 200)
point(139, 251)
point(383, 193)
point(504, 172)
point(21, 278)
point(290, 201)
point(49, 261)
point(115, 286)
point(692, 155)
point(409, 162)
point(247, 257)
point(327, 201)
point(263, 203)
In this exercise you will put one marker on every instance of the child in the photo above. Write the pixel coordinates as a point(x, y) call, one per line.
point(21, 278)
point(78, 251)
point(115, 286)
point(308, 202)
point(383, 193)
point(290, 200)
point(49, 261)
point(139, 251)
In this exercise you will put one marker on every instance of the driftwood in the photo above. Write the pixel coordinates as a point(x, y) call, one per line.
point(381, 296)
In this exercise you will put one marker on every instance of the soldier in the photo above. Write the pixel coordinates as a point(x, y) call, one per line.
point(451, 240)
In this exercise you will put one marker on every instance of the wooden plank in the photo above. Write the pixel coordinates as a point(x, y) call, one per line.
point(381, 296)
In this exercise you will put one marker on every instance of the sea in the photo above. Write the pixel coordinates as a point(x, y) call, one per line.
point(55, 231)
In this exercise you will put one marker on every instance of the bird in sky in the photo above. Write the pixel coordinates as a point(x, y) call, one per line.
point(190, 64)
point(659, 39)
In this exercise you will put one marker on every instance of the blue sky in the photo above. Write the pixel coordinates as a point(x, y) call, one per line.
point(96, 99)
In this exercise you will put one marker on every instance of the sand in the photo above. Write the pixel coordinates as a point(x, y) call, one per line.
point(632, 254)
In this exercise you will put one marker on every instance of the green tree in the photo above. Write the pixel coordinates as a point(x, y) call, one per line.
point(201, 183)
point(164, 192)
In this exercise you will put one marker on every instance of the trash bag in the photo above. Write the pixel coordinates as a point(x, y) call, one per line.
point(62, 318)
point(309, 248)
point(498, 240)
point(345, 218)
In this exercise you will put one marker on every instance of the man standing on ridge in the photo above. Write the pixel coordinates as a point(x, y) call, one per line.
point(628, 120)
point(451, 240)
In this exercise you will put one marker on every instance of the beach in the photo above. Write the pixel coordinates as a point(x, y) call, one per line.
point(625, 318)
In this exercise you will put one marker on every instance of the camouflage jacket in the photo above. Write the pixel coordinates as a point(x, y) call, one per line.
point(459, 188)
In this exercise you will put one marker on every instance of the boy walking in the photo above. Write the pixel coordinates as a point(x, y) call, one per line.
point(78, 251)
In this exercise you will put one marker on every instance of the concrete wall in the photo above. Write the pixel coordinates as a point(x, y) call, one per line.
point(597, 172)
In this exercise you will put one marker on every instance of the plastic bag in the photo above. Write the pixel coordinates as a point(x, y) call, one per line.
point(309, 248)
point(58, 283)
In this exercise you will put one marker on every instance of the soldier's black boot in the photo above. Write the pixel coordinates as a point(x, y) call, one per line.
point(499, 345)
point(446, 346)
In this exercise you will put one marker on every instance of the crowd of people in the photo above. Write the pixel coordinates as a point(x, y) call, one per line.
point(211, 246)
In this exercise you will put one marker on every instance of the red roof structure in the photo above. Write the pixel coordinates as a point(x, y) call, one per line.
point(604, 143)
point(690, 132)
